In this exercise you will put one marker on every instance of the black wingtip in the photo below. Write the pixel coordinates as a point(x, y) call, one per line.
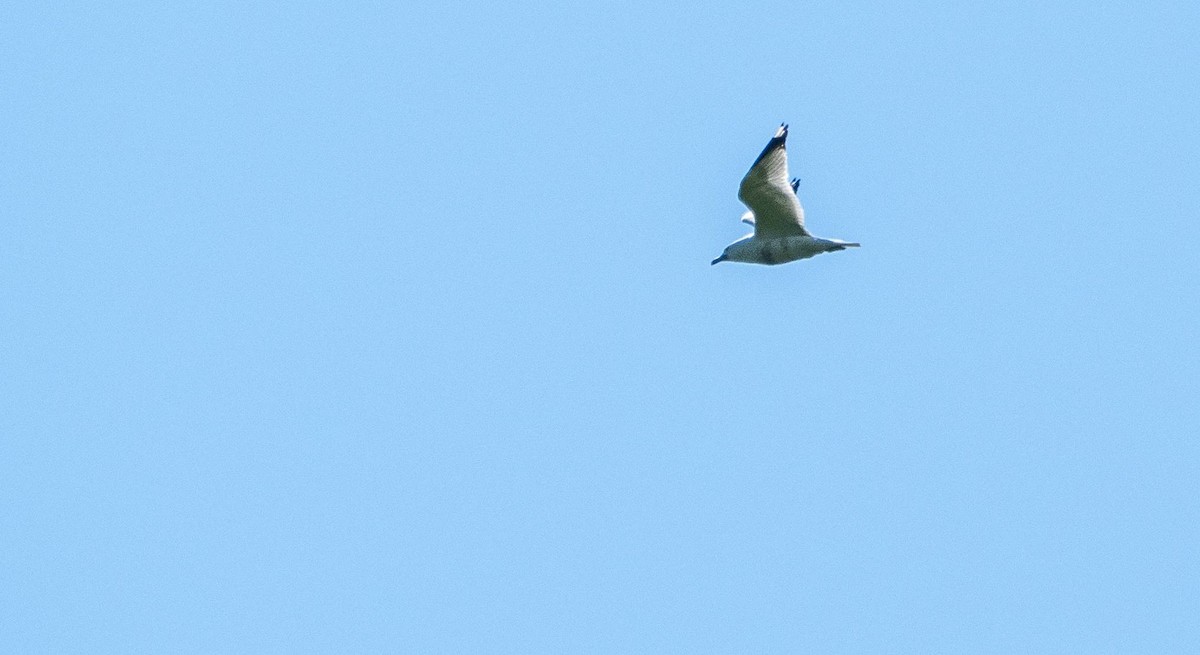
point(777, 141)
point(795, 184)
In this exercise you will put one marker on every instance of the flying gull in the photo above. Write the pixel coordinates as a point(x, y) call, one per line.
point(775, 212)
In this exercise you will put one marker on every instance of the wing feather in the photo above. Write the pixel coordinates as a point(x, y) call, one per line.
point(768, 193)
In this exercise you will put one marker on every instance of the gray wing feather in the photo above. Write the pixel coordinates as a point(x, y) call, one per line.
point(767, 192)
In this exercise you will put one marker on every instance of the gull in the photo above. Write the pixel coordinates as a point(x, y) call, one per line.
point(775, 212)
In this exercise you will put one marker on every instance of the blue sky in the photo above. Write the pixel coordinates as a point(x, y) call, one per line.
point(365, 327)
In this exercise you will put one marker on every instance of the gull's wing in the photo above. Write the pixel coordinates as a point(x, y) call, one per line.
point(767, 192)
point(748, 217)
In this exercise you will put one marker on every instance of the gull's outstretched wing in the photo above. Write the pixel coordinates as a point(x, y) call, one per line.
point(748, 217)
point(767, 192)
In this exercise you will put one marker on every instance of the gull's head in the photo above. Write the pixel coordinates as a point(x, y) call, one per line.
point(744, 249)
point(741, 250)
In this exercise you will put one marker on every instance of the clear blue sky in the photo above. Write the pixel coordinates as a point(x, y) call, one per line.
point(377, 327)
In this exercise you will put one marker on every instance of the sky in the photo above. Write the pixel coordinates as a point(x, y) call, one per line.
point(390, 327)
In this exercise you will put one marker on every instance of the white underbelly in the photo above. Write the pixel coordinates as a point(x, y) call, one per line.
point(790, 249)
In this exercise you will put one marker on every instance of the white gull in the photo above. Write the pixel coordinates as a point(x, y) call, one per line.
point(775, 212)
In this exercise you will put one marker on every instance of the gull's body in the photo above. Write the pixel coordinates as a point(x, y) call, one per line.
point(775, 212)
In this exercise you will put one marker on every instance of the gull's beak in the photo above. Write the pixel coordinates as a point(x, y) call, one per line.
point(718, 260)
